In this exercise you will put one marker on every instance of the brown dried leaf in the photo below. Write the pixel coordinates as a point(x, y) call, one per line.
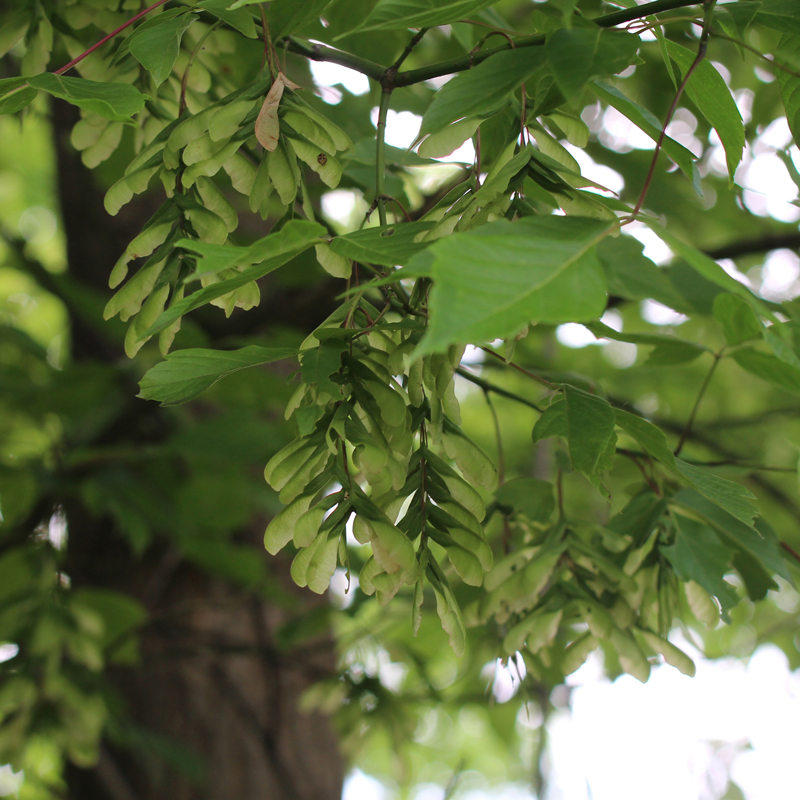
point(267, 124)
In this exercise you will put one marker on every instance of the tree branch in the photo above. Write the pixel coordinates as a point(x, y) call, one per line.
point(318, 52)
point(771, 241)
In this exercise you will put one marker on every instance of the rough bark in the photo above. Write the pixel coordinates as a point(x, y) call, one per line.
point(212, 712)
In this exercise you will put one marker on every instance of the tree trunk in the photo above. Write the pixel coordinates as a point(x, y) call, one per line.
point(213, 709)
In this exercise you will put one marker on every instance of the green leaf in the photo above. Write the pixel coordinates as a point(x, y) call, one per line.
point(728, 495)
point(531, 497)
point(450, 138)
point(646, 121)
point(698, 555)
point(736, 317)
point(483, 89)
point(790, 85)
point(708, 91)
point(114, 101)
point(734, 18)
point(237, 18)
point(578, 55)
point(392, 14)
point(590, 428)
point(781, 15)
point(266, 255)
point(764, 548)
point(669, 350)
point(13, 97)
point(552, 423)
point(388, 245)
point(731, 496)
point(288, 16)
point(319, 363)
point(769, 368)
point(632, 276)
point(156, 47)
point(185, 374)
point(491, 282)
point(708, 268)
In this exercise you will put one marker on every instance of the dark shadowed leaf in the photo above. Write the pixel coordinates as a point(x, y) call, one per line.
point(483, 89)
point(699, 555)
point(389, 14)
point(185, 374)
point(590, 428)
point(579, 55)
point(708, 91)
point(114, 101)
point(156, 47)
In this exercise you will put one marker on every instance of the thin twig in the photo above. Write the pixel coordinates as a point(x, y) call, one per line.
point(701, 54)
point(687, 430)
point(111, 35)
point(380, 155)
point(416, 39)
point(501, 461)
point(755, 50)
point(498, 390)
point(517, 367)
point(185, 78)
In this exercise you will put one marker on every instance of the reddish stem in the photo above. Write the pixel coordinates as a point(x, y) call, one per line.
point(111, 35)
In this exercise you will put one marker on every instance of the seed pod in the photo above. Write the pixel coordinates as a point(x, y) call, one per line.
point(280, 468)
point(471, 460)
point(216, 202)
point(576, 654)
point(597, 617)
point(450, 615)
point(241, 172)
point(333, 263)
point(324, 164)
point(674, 656)
point(307, 526)
point(414, 383)
point(340, 139)
point(315, 465)
point(392, 407)
point(323, 563)
point(190, 129)
point(282, 172)
point(225, 121)
point(262, 187)
point(305, 126)
point(210, 167)
point(474, 543)
point(702, 604)
point(631, 658)
point(103, 148)
point(87, 131)
point(537, 629)
point(151, 309)
point(416, 607)
point(393, 549)
point(128, 300)
point(370, 569)
point(125, 188)
point(281, 529)
point(210, 228)
point(466, 564)
point(300, 564)
point(267, 128)
point(444, 142)
point(201, 149)
point(166, 337)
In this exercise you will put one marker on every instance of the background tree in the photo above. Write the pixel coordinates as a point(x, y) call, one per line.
point(155, 647)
